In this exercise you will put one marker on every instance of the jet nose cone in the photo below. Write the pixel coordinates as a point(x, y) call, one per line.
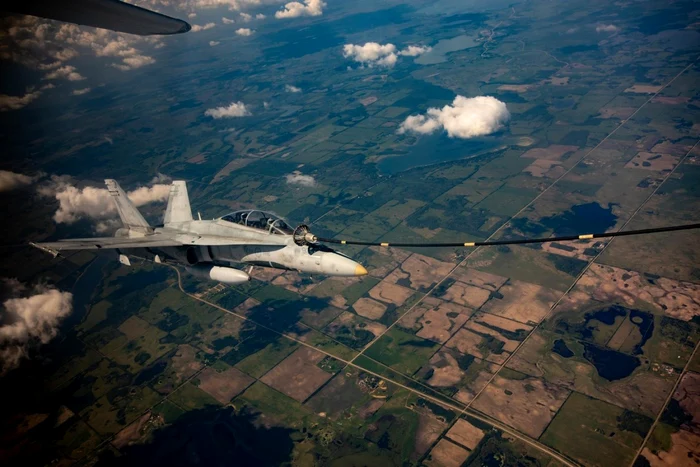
point(334, 264)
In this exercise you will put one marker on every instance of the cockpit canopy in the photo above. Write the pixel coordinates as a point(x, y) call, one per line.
point(259, 220)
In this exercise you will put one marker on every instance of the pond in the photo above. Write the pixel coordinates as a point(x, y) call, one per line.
point(560, 348)
point(610, 364)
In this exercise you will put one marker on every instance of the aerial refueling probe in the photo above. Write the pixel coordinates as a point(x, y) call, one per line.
point(302, 236)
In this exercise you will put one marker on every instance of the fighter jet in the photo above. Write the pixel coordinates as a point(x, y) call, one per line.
point(213, 249)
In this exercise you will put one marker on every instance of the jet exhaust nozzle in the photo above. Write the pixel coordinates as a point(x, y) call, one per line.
point(219, 273)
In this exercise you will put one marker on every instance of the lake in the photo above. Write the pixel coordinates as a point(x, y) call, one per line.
point(445, 46)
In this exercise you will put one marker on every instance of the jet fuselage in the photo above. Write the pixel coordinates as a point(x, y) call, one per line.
point(261, 248)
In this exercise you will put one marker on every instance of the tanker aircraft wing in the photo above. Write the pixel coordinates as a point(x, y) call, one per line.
point(108, 14)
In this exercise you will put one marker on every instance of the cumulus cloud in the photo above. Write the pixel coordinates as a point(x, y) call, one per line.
point(415, 50)
point(50, 66)
point(123, 48)
point(290, 88)
point(136, 61)
point(47, 45)
point(214, 43)
point(65, 72)
point(198, 27)
point(80, 92)
point(226, 20)
point(12, 181)
point(244, 32)
point(235, 109)
point(232, 5)
point(297, 178)
point(246, 17)
point(465, 118)
point(297, 9)
point(606, 28)
point(192, 15)
point(372, 53)
point(17, 102)
point(260, 16)
point(29, 318)
point(76, 203)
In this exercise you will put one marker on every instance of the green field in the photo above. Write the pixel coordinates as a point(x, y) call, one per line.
point(596, 432)
point(401, 351)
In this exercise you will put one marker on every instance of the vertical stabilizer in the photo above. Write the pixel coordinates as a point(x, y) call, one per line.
point(131, 217)
point(178, 209)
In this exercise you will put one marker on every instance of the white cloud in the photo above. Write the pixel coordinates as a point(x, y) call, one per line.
point(120, 47)
point(149, 194)
point(136, 61)
point(30, 318)
point(227, 21)
point(244, 32)
point(197, 27)
point(233, 5)
point(47, 45)
point(372, 53)
point(50, 66)
point(415, 50)
point(17, 102)
point(296, 9)
point(11, 180)
point(214, 43)
point(65, 72)
point(290, 88)
point(107, 226)
point(80, 92)
point(160, 178)
point(260, 16)
point(297, 178)
point(606, 28)
point(192, 15)
point(76, 203)
point(246, 17)
point(64, 55)
point(236, 109)
point(465, 118)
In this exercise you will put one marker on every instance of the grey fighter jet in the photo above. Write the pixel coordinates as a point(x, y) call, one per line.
point(213, 249)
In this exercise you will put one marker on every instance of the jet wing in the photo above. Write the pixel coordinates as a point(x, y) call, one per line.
point(99, 243)
point(108, 14)
point(148, 241)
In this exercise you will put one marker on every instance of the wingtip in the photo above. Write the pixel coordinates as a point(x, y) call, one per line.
point(45, 249)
